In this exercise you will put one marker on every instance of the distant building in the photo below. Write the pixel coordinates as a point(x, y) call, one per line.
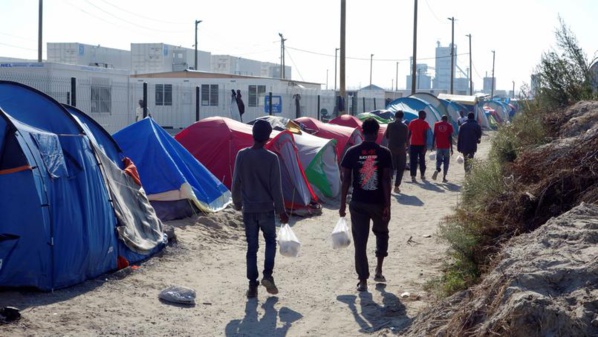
point(423, 80)
point(442, 79)
point(488, 83)
point(88, 55)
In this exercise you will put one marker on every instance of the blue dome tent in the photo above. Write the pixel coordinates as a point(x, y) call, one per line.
point(69, 213)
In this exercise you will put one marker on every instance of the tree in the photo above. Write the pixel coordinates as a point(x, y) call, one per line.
point(564, 75)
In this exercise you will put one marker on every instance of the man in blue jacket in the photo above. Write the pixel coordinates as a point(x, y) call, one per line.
point(470, 135)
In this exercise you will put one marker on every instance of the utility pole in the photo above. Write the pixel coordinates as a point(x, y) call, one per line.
point(452, 51)
point(470, 69)
point(371, 62)
point(492, 89)
point(196, 23)
point(397, 78)
point(343, 91)
point(513, 95)
point(414, 65)
point(335, 76)
point(39, 31)
point(282, 40)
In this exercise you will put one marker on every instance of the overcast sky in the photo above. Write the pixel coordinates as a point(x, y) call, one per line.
point(519, 31)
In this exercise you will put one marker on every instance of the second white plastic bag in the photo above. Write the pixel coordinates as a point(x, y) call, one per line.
point(288, 242)
point(340, 234)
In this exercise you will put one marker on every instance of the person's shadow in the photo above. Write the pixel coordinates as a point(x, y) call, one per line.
point(373, 316)
point(252, 325)
point(408, 200)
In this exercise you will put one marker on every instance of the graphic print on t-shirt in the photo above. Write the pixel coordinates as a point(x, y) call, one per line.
point(368, 174)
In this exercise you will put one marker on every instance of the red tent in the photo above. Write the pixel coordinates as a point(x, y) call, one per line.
point(354, 122)
point(215, 142)
point(345, 136)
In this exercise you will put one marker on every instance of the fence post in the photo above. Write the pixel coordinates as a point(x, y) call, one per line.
point(144, 99)
point(363, 99)
point(73, 91)
point(270, 103)
point(318, 107)
point(374, 104)
point(197, 100)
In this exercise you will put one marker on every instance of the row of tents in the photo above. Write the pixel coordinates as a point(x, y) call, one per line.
point(490, 113)
point(78, 202)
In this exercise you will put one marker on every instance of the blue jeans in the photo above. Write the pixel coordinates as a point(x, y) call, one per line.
point(443, 156)
point(253, 223)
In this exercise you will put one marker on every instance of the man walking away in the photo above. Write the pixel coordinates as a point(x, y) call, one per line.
point(418, 138)
point(470, 135)
point(257, 190)
point(368, 167)
point(396, 133)
point(443, 142)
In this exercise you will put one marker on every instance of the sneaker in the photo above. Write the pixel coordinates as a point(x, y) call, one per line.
point(444, 180)
point(362, 286)
point(423, 177)
point(397, 190)
point(435, 175)
point(252, 291)
point(270, 286)
point(413, 179)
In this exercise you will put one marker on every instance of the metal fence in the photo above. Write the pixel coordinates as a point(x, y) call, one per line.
point(112, 101)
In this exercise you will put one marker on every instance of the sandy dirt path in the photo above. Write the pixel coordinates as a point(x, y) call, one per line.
point(317, 289)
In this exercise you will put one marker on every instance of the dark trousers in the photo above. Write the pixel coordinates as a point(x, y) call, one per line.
point(253, 223)
point(468, 158)
point(361, 214)
point(399, 161)
point(417, 156)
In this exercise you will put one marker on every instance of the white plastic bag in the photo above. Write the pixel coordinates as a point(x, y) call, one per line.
point(288, 242)
point(460, 159)
point(432, 156)
point(340, 234)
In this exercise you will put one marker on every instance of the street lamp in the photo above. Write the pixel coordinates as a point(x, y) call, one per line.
point(282, 40)
point(196, 23)
point(470, 69)
point(335, 53)
point(371, 61)
point(397, 78)
point(414, 62)
point(492, 89)
point(452, 51)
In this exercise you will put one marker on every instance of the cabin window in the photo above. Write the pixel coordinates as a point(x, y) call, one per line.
point(164, 94)
point(209, 94)
point(101, 95)
point(256, 95)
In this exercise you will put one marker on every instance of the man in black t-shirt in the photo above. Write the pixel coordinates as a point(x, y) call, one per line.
point(368, 167)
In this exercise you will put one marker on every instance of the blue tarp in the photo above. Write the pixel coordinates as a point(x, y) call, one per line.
point(167, 170)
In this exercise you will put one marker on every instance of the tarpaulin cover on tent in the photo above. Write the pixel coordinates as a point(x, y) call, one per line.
point(169, 173)
point(345, 136)
point(68, 211)
point(215, 142)
point(417, 104)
